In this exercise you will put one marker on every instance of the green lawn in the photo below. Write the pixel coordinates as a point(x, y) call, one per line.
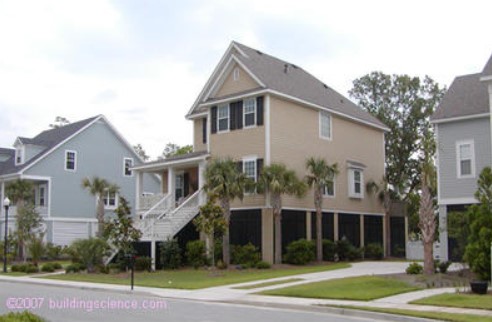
point(265, 284)
point(363, 288)
point(196, 279)
point(441, 316)
point(470, 301)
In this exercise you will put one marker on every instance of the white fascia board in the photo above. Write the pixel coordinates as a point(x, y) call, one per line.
point(457, 201)
point(166, 164)
point(461, 118)
point(486, 78)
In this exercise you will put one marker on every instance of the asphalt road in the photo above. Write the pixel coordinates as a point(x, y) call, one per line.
point(70, 304)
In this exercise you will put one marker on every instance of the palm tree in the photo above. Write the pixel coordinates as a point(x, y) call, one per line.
point(21, 191)
point(98, 188)
point(384, 193)
point(277, 180)
point(320, 175)
point(225, 181)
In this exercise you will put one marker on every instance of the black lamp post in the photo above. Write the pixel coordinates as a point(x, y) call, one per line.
point(6, 204)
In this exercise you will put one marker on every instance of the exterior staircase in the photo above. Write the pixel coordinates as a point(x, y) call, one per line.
point(164, 220)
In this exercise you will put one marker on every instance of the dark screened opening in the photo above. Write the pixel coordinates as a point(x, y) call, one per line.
point(293, 226)
point(245, 227)
point(373, 230)
point(397, 232)
point(326, 225)
point(349, 227)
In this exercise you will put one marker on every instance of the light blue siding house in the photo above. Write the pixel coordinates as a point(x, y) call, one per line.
point(464, 145)
point(57, 160)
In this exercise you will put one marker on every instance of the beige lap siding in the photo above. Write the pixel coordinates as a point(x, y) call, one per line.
point(230, 86)
point(198, 144)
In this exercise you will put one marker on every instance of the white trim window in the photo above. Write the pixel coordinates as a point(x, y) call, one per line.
point(70, 160)
point(127, 165)
point(249, 112)
point(19, 155)
point(110, 200)
point(325, 125)
point(329, 189)
point(41, 196)
point(465, 159)
point(249, 170)
point(356, 183)
point(223, 118)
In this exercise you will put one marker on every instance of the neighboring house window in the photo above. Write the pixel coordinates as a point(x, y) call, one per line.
point(329, 189)
point(325, 125)
point(465, 154)
point(249, 170)
point(128, 163)
point(19, 156)
point(204, 130)
point(110, 200)
point(249, 112)
point(70, 160)
point(223, 118)
point(42, 195)
point(356, 183)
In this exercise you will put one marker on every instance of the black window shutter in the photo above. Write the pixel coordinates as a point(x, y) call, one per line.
point(232, 116)
point(259, 167)
point(259, 110)
point(204, 130)
point(239, 114)
point(214, 119)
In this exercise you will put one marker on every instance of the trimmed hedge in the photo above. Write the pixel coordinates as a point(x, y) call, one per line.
point(300, 252)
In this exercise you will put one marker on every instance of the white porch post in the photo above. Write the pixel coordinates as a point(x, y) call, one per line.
point(201, 180)
point(153, 254)
point(171, 182)
point(139, 188)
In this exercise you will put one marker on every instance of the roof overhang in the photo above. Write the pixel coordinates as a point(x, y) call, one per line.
point(460, 118)
point(486, 78)
point(170, 163)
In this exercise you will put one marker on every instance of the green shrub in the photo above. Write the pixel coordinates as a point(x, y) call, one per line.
point(74, 268)
point(300, 252)
point(15, 268)
point(374, 251)
point(24, 316)
point(354, 253)
point(143, 263)
point(342, 248)
point(196, 254)
point(443, 267)
point(170, 254)
point(220, 264)
point(246, 255)
point(57, 265)
point(53, 251)
point(414, 269)
point(48, 268)
point(30, 268)
point(328, 250)
point(89, 252)
point(263, 265)
point(24, 268)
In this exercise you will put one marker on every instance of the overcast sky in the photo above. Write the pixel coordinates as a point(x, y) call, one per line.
point(142, 63)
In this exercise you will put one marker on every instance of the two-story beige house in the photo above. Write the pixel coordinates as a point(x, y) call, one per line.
point(259, 110)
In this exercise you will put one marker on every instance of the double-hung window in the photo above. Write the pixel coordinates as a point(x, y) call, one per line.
point(249, 170)
point(356, 183)
point(127, 165)
point(465, 159)
point(223, 118)
point(110, 200)
point(249, 111)
point(325, 125)
point(70, 160)
point(329, 189)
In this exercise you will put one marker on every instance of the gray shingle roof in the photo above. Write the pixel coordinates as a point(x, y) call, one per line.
point(48, 139)
point(298, 83)
point(467, 96)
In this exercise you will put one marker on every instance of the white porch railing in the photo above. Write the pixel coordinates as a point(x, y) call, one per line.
point(148, 201)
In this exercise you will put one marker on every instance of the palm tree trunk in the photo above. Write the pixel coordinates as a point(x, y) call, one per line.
point(427, 224)
point(100, 216)
point(319, 232)
point(277, 215)
point(226, 257)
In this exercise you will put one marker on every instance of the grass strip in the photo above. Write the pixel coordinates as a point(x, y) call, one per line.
point(441, 316)
point(460, 300)
point(195, 279)
point(265, 284)
point(362, 288)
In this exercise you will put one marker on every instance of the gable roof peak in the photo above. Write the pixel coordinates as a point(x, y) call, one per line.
point(487, 69)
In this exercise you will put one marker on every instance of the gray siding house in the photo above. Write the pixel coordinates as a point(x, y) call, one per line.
point(57, 160)
point(464, 145)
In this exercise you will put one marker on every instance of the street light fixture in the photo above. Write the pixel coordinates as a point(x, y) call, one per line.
point(6, 204)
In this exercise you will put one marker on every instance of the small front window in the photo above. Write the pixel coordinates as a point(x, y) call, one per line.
point(223, 118)
point(19, 156)
point(42, 196)
point(110, 200)
point(329, 189)
point(325, 125)
point(249, 170)
point(249, 112)
point(465, 156)
point(356, 183)
point(70, 160)
point(128, 164)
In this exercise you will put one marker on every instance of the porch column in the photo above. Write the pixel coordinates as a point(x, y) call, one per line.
point(335, 226)
point(443, 232)
point(153, 254)
point(361, 231)
point(201, 180)
point(309, 233)
point(139, 188)
point(171, 182)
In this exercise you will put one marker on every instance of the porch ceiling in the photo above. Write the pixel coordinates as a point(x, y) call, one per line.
point(179, 161)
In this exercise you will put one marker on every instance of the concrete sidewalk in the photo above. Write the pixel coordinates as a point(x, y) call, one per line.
point(230, 293)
